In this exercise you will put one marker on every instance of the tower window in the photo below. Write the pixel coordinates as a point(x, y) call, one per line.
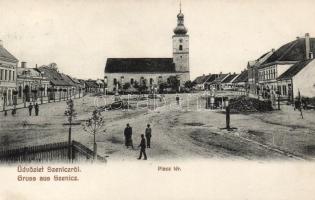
point(131, 81)
point(180, 47)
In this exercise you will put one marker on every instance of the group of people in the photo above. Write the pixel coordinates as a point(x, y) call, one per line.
point(30, 108)
point(145, 140)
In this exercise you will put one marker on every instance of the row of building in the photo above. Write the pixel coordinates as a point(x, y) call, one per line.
point(285, 71)
point(20, 84)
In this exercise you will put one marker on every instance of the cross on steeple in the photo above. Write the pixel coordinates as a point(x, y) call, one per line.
point(180, 6)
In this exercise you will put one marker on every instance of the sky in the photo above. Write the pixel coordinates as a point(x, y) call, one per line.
point(79, 35)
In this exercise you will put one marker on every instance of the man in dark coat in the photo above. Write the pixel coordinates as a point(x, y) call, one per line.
point(142, 148)
point(128, 136)
point(30, 108)
point(177, 99)
point(36, 109)
point(148, 135)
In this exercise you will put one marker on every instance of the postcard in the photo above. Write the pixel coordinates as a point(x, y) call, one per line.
point(178, 99)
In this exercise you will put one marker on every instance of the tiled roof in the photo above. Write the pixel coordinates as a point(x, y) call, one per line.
point(67, 79)
point(53, 76)
point(243, 77)
point(294, 69)
point(28, 72)
point(202, 79)
point(229, 78)
point(141, 65)
point(6, 55)
point(292, 51)
point(219, 78)
point(91, 84)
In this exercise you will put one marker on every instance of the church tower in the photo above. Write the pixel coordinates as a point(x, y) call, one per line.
point(181, 45)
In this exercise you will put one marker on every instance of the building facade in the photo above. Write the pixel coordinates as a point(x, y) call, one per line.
point(281, 61)
point(8, 65)
point(151, 71)
point(31, 84)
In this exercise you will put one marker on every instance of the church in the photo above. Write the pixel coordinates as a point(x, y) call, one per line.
point(152, 71)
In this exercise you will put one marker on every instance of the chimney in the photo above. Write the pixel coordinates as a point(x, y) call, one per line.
point(203, 75)
point(297, 38)
point(1, 43)
point(23, 64)
point(273, 50)
point(307, 45)
point(36, 66)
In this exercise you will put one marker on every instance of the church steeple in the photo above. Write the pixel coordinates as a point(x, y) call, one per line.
point(180, 28)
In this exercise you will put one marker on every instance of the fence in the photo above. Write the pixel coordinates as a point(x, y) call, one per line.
point(48, 152)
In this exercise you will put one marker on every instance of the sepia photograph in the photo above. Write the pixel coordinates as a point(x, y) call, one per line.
point(164, 99)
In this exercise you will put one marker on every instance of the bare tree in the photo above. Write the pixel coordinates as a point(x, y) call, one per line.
point(93, 126)
point(71, 114)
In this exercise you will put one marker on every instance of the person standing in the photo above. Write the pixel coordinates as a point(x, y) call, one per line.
point(36, 109)
point(142, 148)
point(177, 99)
point(30, 108)
point(148, 135)
point(128, 136)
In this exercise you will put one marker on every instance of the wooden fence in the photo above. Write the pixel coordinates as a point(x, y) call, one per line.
point(48, 152)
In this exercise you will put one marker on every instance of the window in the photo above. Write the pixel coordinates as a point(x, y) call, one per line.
point(13, 75)
point(284, 90)
point(10, 78)
point(279, 89)
point(131, 81)
point(1, 74)
point(180, 47)
point(151, 81)
point(5, 75)
point(115, 81)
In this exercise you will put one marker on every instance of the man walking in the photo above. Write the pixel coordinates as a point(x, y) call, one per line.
point(148, 135)
point(142, 148)
point(128, 136)
point(36, 109)
point(30, 108)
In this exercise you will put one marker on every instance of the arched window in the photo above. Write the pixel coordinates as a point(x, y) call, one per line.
point(180, 47)
point(151, 81)
point(131, 81)
point(115, 81)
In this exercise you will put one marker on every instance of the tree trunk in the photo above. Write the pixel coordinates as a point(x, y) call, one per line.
point(95, 148)
point(69, 145)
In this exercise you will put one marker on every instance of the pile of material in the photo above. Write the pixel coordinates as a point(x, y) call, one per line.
point(115, 106)
point(247, 104)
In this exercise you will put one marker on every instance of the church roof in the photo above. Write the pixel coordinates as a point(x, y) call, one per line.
point(140, 65)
